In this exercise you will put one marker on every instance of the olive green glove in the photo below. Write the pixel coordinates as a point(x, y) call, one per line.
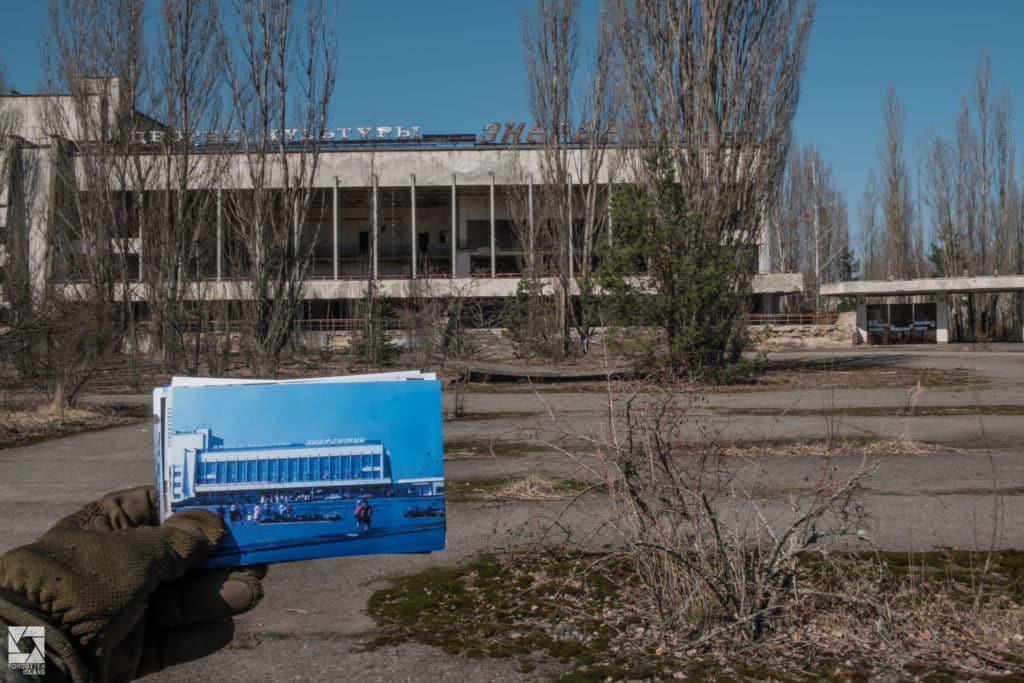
point(116, 593)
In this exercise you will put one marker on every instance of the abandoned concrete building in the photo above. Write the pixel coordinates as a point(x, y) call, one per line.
point(394, 204)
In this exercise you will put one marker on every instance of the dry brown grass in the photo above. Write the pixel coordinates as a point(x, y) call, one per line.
point(521, 489)
point(880, 447)
point(531, 487)
point(20, 426)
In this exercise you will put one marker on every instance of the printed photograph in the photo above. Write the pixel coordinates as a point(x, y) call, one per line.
point(299, 471)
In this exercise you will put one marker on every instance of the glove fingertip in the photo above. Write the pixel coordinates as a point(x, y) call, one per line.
point(203, 529)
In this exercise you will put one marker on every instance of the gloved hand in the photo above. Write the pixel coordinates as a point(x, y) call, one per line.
point(117, 591)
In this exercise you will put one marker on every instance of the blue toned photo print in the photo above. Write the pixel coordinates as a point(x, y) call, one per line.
point(305, 470)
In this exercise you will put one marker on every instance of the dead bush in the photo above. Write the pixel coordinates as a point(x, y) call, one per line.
point(713, 551)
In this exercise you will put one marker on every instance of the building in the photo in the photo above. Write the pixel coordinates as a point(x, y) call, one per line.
point(393, 202)
point(195, 466)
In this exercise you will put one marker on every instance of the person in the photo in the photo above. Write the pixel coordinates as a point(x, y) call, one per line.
point(118, 594)
point(367, 514)
point(363, 515)
point(360, 515)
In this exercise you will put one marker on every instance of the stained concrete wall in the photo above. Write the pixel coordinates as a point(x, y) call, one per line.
point(841, 335)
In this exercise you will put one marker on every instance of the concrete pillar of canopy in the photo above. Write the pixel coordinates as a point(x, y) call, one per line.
point(862, 319)
point(941, 319)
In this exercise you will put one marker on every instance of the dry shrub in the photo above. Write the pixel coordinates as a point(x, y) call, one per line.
point(712, 553)
point(728, 568)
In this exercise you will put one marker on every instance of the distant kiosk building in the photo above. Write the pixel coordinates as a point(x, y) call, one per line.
point(873, 318)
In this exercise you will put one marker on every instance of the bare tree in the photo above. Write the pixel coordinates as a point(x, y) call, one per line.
point(713, 86)
point(973, 195)
point(98, 56)
point(20, 170)
point(181, 249)
point(871, 230)
point(561, 227)
point(281, 66)
point(810, 232)
point(897, 209)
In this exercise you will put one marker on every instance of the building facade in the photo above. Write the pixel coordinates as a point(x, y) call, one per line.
point(392, 204)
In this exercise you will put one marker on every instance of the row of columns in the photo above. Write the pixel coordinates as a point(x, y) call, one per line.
point(413, 236)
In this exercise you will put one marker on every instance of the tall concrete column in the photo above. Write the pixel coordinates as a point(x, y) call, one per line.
point(608, 213)
point(454, 237)
point(220, 233)
point(296, 228)
point(374, 231)
point(494, 257)
point(1021, 299)
point(335, 224)
point(141, 203)
point(941, 318)
point(764, 254)
point(862, 319)
point(572, 254)
point(41, 203)
point(412, 228)
point(533, 228)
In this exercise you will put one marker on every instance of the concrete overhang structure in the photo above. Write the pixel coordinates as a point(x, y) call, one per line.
point(938, 287)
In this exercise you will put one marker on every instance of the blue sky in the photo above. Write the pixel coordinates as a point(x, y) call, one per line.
point(450, 66)
point(405, 416)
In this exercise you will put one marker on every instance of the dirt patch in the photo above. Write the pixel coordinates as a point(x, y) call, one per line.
point(20, 427)
point(849, 375)
point(940, 615)
point(776, 377)
point(455, 449)
point(880, 411)
point(494, 415)
point(774, 448)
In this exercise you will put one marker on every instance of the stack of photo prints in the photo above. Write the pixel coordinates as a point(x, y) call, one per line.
point(305, 468)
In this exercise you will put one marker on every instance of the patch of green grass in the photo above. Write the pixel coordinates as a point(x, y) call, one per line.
point(971, 574)
point(486, 609)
